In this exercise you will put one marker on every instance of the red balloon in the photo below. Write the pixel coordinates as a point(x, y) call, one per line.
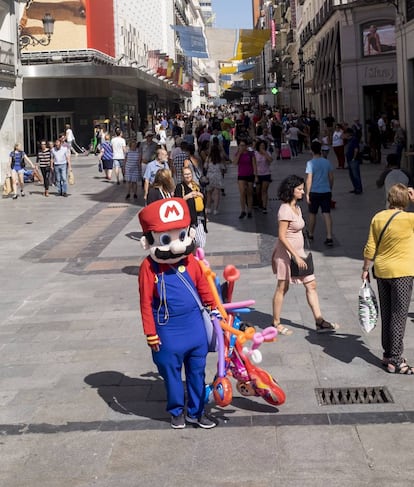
point(222, 391)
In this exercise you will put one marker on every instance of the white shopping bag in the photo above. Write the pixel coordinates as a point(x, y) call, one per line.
point(367, 307)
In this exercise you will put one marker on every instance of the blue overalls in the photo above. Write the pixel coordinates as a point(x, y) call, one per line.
point(183, 338)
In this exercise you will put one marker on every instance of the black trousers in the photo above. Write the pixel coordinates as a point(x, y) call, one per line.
point(394, 297)
point(46, 175)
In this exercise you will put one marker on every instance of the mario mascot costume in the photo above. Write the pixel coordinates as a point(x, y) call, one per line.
point(169, 280)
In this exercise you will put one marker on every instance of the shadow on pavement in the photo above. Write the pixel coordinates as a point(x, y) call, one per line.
point(123, 394)
point(129, 395)
point(130, 270)
point(343, 347)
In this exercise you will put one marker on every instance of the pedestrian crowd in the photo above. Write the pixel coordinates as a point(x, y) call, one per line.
point(189, 158)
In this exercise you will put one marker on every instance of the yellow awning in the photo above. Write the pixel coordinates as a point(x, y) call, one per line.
point(236, 45)
point(251, 43)
point(228, 69)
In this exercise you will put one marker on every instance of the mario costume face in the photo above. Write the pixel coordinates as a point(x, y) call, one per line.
point(167, 232)
point(169, 278)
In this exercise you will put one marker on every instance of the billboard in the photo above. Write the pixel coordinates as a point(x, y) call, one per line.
point(378, 38)
point(78, 24)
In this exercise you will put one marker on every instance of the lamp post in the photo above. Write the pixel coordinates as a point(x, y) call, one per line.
point(302, 79)
point(30, 40)
point(290, 65)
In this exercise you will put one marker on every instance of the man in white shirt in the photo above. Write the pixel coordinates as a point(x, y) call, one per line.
point(60, 164)
point(119, 151)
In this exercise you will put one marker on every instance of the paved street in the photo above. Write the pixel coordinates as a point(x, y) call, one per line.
point(81, 403)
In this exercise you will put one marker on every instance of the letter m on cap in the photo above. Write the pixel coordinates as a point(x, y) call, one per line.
point(171, 211)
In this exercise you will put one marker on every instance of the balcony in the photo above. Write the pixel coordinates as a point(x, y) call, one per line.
point(7, 62)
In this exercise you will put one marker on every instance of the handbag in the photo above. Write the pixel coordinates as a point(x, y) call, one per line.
point(7, 186)
point(379, 240)
point(208, 324)
point(295, 271)
point(100, 167)
point(367, 307)
point(71, 178)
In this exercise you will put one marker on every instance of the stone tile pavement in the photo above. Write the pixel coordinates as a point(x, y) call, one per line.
point(81, 403)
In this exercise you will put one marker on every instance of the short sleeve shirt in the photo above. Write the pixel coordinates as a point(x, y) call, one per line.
point(118, 144)
point(320, 169)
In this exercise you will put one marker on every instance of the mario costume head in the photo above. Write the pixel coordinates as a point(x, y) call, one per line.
point(167, 232)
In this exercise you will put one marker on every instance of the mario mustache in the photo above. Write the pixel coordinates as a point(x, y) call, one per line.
point(168, 254)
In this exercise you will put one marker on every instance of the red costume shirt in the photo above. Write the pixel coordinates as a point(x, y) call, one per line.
point(147, 288)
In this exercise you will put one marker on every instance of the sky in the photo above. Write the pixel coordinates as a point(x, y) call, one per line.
point(233, 14)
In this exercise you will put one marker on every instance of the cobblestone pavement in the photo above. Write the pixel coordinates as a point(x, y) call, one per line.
point(81, 403)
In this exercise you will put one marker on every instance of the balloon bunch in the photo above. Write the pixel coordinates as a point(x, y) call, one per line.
point(233, 354)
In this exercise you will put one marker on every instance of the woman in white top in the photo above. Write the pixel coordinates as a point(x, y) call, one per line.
point(325, 148)
point(293, 134)
point(338, 145)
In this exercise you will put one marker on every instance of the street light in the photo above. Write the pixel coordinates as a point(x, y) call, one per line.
point(30, 40)
point(302, 79)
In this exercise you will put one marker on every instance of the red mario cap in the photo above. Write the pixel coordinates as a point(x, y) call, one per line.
point(166, 214)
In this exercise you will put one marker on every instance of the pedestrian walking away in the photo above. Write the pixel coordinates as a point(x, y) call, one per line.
point(106, 157)
point(353, 159)
point(319, 184)
point(390, 245)
point(119, 151)
point(133, 172)
point(246, 176)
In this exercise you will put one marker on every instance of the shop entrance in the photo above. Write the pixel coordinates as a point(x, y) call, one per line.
point(43, 126)
point(380, 99)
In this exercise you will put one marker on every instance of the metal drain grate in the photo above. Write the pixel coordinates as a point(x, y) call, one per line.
point(353, 395)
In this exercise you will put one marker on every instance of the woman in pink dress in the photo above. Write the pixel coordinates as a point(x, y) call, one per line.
point(291, 244)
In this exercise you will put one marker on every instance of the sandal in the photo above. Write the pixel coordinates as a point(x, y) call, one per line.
point(386, 361)
point(325, 326)
point(282, 330)
point(402, 369)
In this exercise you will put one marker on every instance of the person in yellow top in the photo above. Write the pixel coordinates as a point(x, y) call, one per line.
point(191, 192)
point(394, 269)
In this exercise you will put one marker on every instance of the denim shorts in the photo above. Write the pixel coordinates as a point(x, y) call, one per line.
point(118, 162)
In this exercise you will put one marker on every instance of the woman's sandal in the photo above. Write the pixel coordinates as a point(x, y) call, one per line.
point(283, 330)
point(386, 361)
point(325, 326)
point(402, 369)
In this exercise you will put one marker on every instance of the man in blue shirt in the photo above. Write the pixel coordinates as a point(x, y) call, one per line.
point(353, 159)
point(161, 162)
point(319, 184)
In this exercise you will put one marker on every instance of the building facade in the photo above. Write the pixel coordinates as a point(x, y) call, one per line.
point(11, 105)
point(115, 62)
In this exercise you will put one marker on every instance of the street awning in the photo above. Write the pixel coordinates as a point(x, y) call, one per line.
point(235, 45)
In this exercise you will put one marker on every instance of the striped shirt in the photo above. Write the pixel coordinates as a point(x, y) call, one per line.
point(43, 158)
point(108, 154)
